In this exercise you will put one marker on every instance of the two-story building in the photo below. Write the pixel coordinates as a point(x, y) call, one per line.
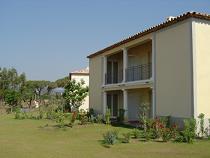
point(166, 67)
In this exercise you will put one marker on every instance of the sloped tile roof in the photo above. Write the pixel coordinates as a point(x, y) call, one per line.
point(81, 71)
point(154, 29)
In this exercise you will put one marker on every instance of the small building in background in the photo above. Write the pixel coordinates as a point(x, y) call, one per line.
point(79, 75)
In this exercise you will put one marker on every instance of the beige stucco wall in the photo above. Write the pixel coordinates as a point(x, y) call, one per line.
point(95, 83)
point(140, 54)
point(174, 71)
point(136, 97)
point(202, 62)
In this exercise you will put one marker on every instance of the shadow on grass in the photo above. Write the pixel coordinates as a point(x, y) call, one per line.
point(104, 144)
point(55, 127)
point(123, 125)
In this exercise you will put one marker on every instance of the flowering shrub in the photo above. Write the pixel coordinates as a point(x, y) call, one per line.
point(174, 131)
point(165, 134)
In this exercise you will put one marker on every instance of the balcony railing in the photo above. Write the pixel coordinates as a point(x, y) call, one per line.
point(112, 78)
point(133, 73)
point(139, 72)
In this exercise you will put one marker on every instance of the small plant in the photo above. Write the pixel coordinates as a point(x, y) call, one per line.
point(71, 117)
point(189, 132)
point(136, 133)
point(201, 123)
point(83, 118)
point(179, 138)
point(18, 113)
point(121, 115)
point(143, 112)
point(108, 116)
point(99, 118)
point(41, 114)
point(110, 137)
point(174, 131)
point(60, 119)
point(126, 137)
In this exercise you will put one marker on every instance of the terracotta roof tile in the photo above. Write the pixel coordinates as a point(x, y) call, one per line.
point(81, 71)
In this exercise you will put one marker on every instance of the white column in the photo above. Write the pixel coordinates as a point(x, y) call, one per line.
point(154, 75)
point(153, 56)
point(125, 63)
point(125, 104)
point(104, 69)
point(153, 102)
point(104, 102)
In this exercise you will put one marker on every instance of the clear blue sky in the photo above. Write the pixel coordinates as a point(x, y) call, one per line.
point(47, 39)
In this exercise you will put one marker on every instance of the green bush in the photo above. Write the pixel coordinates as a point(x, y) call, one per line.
point(110, 137)
point(179, 138)
point(189, 132)
point(99, 118)
point(83, 119)
point(165, 134)
point(201, 123)
point(126, 137)
point(60, 119)
point(136, 133)
point(18, 113)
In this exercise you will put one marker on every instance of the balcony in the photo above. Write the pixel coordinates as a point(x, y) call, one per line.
point(139, 72)
point(113, 78)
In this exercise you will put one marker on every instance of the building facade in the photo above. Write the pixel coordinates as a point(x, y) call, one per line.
point(166, 67)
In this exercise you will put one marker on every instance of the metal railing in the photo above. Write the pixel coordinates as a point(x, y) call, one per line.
point(139, 72)
point(112, 78)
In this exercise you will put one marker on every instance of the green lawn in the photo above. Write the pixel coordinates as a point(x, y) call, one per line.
point(28, 139)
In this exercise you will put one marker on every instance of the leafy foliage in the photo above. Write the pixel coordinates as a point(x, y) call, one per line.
point(126, 137)
point(12, 97)
point(74, 94)
point(189, 132)
point(201, 123)
point(110, 137)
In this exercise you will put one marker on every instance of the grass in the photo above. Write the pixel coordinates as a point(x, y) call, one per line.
point(36, 139)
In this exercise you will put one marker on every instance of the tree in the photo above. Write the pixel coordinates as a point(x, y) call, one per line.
point(74, 94)
point(39, 86)
point(12, 98)
point(62, 82)
point(10, 81)
point(28, 93)
point(51, 86)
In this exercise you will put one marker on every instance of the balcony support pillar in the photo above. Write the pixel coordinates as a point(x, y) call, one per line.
point(104, 69)
point(125, 63)
point(125, 104)
point(104, 103)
